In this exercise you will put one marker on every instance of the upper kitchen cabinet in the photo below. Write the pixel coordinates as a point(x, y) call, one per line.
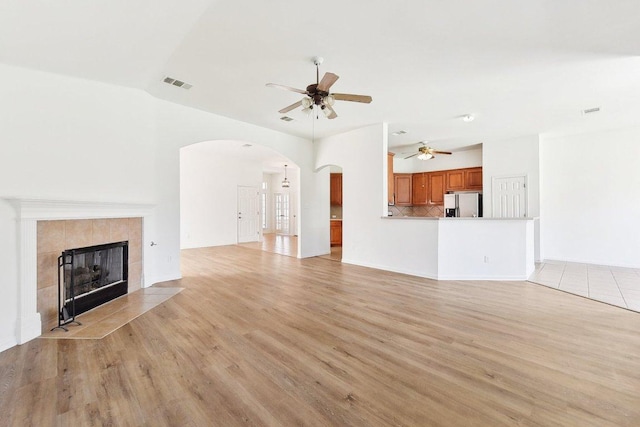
point(464, 179)
point(455, 180)
point(336, 189)
point(402, 189)
point(473, 178)
point(390, 183)
point(419, 189)
point(435, 181)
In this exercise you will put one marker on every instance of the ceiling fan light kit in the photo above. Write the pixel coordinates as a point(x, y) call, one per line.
point(426, 153)
point(318, 95)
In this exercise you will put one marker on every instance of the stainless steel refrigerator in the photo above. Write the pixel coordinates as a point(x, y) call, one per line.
point(463, 205)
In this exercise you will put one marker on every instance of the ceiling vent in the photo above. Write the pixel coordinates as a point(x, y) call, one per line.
point(286, 118)
point(179, 83)
point(400, 132)
point(591, 110)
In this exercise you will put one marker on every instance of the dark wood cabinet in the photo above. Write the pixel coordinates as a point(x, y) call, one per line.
point(435, 188)
point(473, 179)
point(402, 189)
point(336, 233)
point(336, 189)
point(419, 189)
point(390, 183)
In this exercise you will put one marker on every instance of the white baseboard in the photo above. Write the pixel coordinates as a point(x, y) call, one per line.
point(29, 328)
point(159, 279)
point(7, 341)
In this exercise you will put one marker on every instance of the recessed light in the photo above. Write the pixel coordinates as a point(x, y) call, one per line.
point(468, 118)
point(400, 132)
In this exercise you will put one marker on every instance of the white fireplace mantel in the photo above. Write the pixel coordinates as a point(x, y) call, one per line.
point(29, 212)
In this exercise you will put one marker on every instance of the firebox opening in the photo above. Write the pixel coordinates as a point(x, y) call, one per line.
point(91, 276)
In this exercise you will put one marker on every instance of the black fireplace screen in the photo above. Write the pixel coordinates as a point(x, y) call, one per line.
point(91, 276)
point(93, 270)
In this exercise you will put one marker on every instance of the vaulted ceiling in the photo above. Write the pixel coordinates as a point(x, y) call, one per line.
point(518, 67)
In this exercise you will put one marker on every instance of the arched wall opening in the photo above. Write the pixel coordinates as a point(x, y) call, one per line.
point(231, 191)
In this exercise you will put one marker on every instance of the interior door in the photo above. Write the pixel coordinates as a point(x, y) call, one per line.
point(282, 212)
point(248, 214)
point(509, 197)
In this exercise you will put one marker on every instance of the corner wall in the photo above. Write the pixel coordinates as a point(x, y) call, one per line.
point(591, 197)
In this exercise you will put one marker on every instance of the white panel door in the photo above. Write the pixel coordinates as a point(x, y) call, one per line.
point(509, 197)
point(248, 214)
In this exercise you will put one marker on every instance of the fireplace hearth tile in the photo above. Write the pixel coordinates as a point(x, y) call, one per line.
point(109, 317)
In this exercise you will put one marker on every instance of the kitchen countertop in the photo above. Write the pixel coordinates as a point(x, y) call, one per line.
point(437, 218)
point(336, 219)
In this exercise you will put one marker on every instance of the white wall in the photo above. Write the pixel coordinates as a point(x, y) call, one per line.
point(591, 197)
point(209, 194)
point(512, 157)
point(61, 136)
point(361, 154)
point(457, 160)
point(70, 139)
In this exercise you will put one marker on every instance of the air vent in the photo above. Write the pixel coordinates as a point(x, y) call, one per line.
point(179, 83)
point(591, 110)
point(286, 118)
point(400, 132)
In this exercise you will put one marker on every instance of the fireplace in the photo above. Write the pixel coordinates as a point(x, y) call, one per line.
point(91, 276)
point(70, 224)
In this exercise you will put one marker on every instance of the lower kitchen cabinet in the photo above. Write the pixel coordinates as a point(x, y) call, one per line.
point(336, 233)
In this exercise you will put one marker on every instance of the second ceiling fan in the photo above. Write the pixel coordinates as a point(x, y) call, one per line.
point(426, 153)
point(317, 94)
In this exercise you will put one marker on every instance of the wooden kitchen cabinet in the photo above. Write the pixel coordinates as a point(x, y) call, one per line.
point(402, 189)
point(473, 179)
point(455, 180)
point(419, 189)
point(390, 183)
point(336, 233)
point(335, 189)
point(435, 188)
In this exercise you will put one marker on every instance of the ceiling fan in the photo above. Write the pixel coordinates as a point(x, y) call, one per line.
point(317, 94)
point(426, 153)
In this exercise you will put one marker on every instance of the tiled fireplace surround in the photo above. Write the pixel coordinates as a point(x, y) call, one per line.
point(67, 224)
point(57, 235)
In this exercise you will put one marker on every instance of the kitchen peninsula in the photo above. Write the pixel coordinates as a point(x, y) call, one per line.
point(455, 248)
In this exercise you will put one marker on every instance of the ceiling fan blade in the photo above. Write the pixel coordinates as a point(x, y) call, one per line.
point(333, 114)
point(413, 155)
point(292, 89)
point(440, 152)
point(353, 98)
point(290, 107)
point(327, 81)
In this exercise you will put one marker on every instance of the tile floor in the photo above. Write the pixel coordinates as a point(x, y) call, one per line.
point(614, 285)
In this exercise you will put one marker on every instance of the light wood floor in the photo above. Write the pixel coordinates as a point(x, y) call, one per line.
point(261, 339)
point(276, 243)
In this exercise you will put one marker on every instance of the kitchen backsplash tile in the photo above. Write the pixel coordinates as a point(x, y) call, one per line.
point(422, 211)
point(336, 212)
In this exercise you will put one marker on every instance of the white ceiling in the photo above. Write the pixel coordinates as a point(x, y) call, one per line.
point(519, 67)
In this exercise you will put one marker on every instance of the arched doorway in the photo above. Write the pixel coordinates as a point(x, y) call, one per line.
point(228, 194)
